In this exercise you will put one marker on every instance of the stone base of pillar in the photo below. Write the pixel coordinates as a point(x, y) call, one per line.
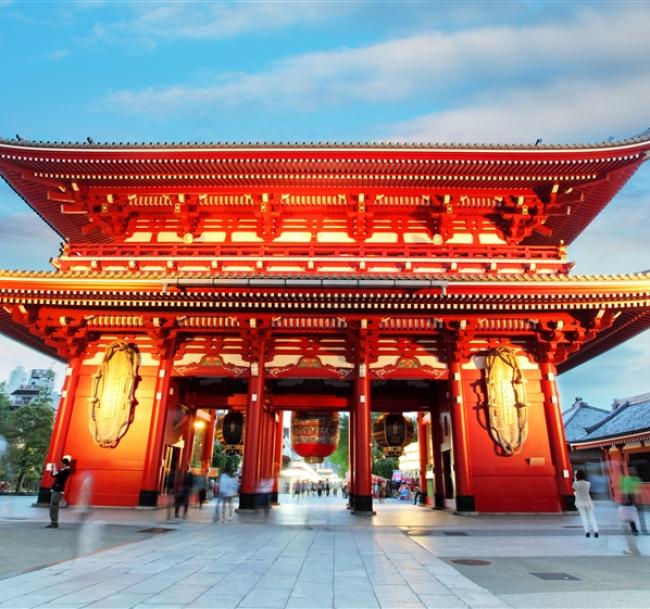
point(438, 501)
point(43, 496)
point(568, 503)
point(363, 505)
point(148, 498)
point(465, 503)
point(248, 501)
point(274, 498)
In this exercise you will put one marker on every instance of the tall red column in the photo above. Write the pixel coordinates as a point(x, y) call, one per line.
point(352, 489)
point(61, 425)
point(461, 447)
point(252, 453)
point(277, 457)
point(438, 474)
point(150, 486)
point(208, 442)
point(363, 439)
point(556, 439)
point(422, 445)
point(268, 458)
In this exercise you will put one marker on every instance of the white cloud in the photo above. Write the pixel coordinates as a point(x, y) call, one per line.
point(27, 241)
point(441, 67)
point(153, 22)
point(57, 55)
point(560, 110)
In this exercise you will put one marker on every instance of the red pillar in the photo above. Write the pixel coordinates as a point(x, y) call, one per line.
point(438, 474)
point(422, 445)
point(268, 458)
point(556, 439)
point(252, 453)
point(363, 440)
point(150, 486)
point(208, 443)
point(352, 489)
point(61, 425)
point(460, 440)
point(277, 460)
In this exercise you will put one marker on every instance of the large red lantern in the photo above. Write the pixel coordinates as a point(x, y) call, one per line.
point(230, 433)
point(392, 432)
point(314, 435)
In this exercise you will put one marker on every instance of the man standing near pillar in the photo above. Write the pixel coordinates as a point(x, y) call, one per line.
point(56, 492)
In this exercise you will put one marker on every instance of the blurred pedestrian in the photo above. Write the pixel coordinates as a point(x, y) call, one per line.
point(201, 485)
point(57, 490)
point(184, 486)
point(631, 494)
point(584, 504)
point(228, 487)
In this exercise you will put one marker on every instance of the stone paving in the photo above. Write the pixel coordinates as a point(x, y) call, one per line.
point(315, 554)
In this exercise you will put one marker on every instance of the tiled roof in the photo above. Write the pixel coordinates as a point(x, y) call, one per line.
point(629, 419)
point(579, 418)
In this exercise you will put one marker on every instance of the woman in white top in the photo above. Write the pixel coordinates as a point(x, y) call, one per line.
point(584, 504)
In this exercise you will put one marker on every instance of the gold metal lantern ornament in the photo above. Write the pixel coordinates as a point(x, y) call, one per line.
point(392, 432)
point(231, 433)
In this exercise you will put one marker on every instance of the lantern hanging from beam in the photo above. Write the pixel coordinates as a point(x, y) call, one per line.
point(231, 433)
point(314, 435)
point(392, 432)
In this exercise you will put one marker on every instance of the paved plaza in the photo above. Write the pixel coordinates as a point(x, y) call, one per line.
point(313, 554)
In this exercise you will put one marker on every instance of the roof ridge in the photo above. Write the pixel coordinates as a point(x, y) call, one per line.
point(90, 143)
point(609, 417)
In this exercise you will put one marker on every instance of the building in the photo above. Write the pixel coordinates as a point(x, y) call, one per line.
point(319, 277)
point(17, 377)
point(40, 382)
point(616, 440)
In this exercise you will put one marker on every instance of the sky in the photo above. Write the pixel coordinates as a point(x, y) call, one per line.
point(494, 72)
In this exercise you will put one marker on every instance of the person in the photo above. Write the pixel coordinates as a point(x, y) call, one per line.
point(630, 490)
point(201, 489)
point(183, 492)
point(57, 490)
point(417, 493)
point(584, 504)
point(228, 487)
point(628, 515)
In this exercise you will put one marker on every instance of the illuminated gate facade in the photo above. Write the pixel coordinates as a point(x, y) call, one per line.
point(356, 278)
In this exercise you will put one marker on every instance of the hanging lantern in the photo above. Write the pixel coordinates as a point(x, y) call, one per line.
point(230, 433)
point(392, 432)
point(314, 435)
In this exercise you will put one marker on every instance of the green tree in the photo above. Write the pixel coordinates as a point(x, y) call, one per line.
point(340, 457)
point(223, 461)
point(5, 414)
point(28, 436)
point(384, 467)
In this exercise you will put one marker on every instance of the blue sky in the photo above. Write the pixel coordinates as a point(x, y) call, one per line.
point(338, 71)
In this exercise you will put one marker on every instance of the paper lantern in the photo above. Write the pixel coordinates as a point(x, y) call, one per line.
point(314, 435)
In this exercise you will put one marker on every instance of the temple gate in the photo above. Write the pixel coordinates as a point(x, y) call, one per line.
point(360, 278)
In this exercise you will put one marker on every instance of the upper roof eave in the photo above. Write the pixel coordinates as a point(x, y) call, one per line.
point(22, 144)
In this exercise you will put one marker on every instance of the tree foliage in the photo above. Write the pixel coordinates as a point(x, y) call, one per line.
point(223, 461)
point(384, 467)
point(27, 430)
point(340, 457)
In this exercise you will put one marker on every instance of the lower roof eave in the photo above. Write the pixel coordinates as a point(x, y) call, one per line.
point(611, 441)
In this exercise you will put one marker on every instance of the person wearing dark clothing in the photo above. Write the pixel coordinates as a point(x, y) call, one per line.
point(57, 490)
point(183, 492)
